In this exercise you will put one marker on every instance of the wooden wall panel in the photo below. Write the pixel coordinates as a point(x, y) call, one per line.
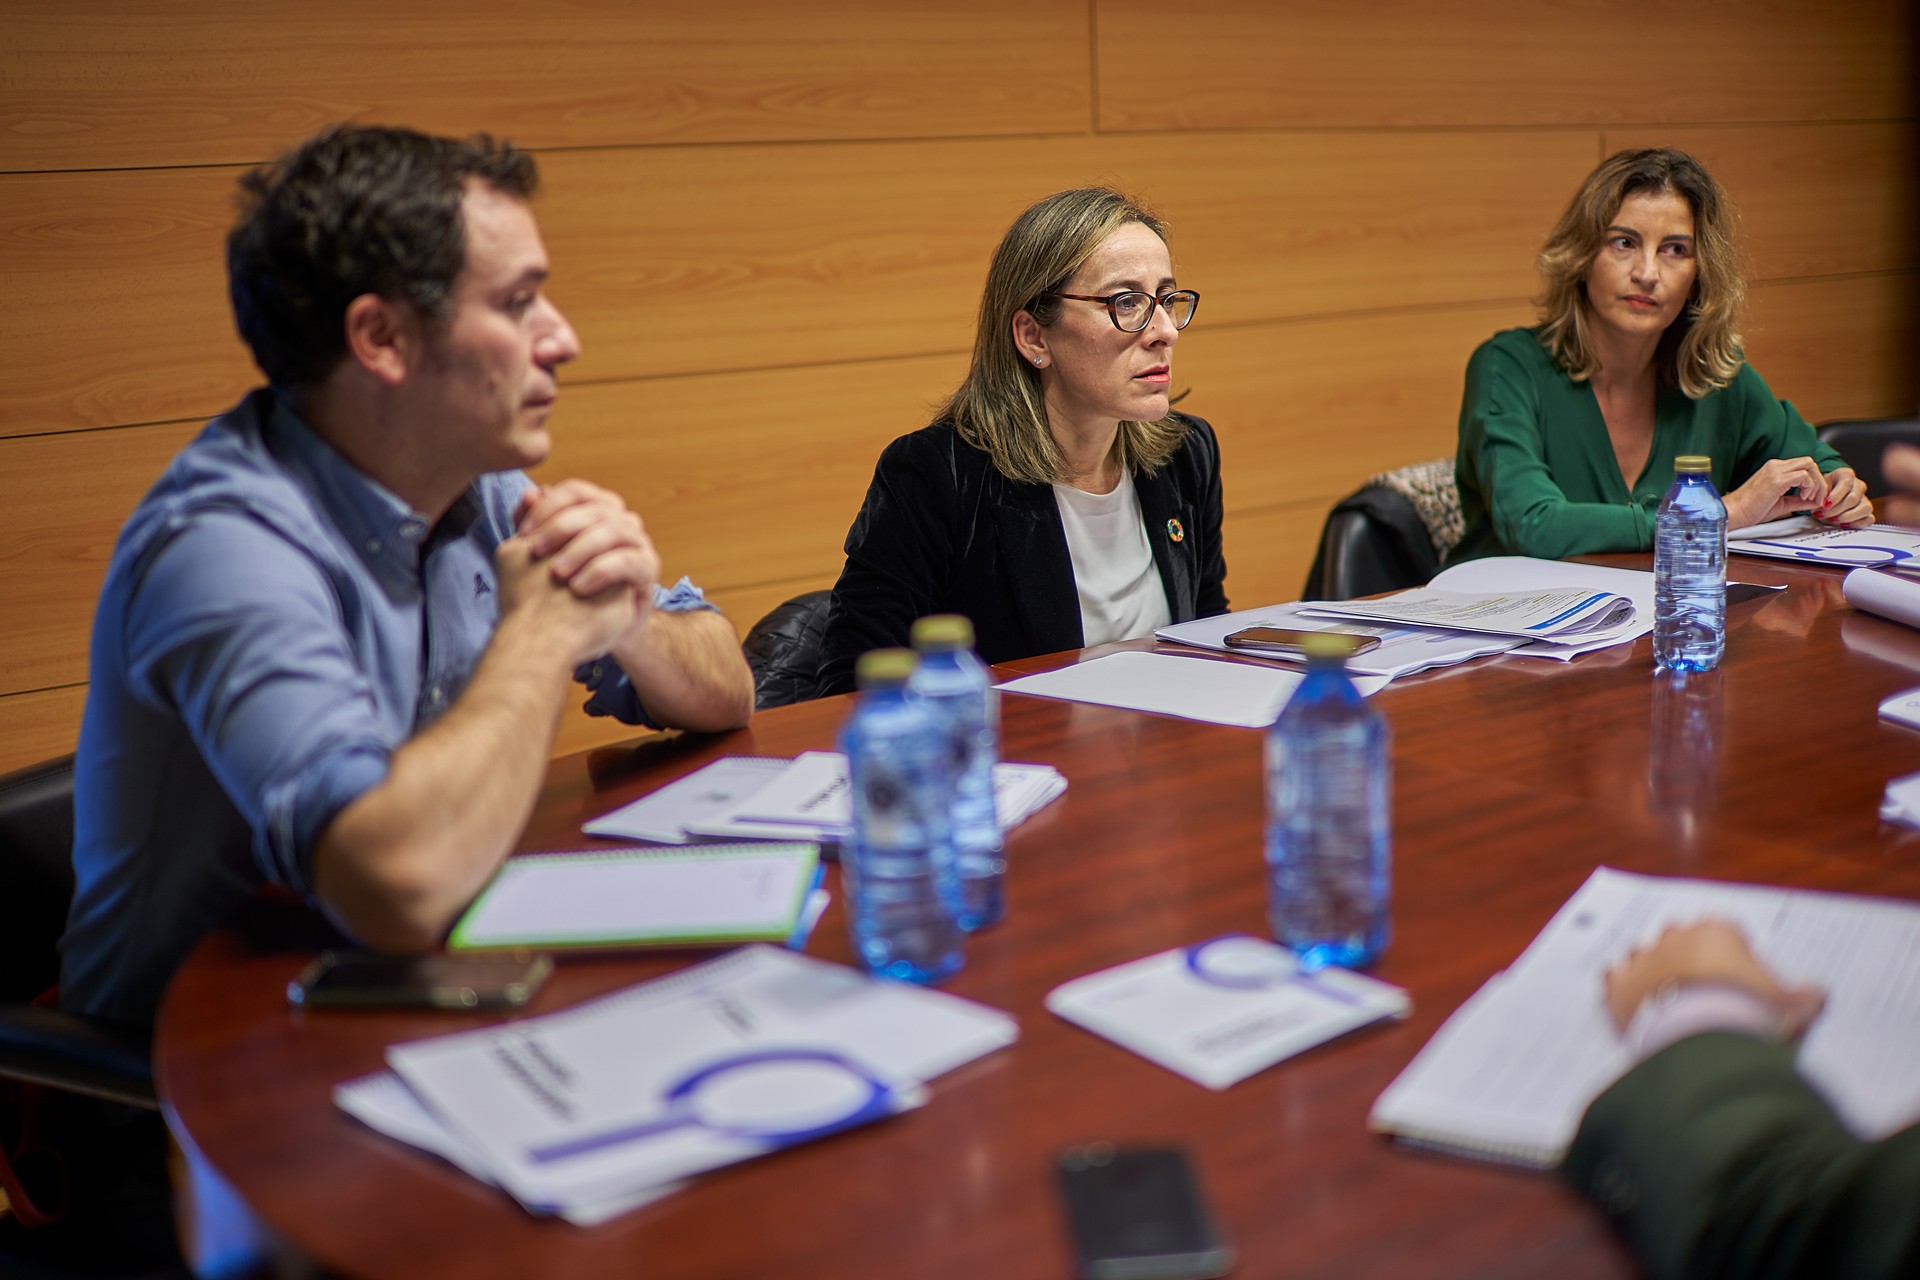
point(1307, 410)
point(1276, 225)
point(39, 725)
point(100, 83)
point(678, 260)
point(747, 478)
point(1817, 199)
point(66, 497)
point(1846, 348)
point(116, 296)
point(1319, 63)
point(1269, 552)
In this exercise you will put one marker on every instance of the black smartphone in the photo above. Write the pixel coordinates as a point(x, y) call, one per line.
point(494, 981)
point(1281, 640)
point(1137, 1214)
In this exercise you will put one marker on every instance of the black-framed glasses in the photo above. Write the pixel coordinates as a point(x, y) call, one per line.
point(1132, 311)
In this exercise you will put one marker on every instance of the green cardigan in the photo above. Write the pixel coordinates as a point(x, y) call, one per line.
point(1716, 1159)
point(1537, 471)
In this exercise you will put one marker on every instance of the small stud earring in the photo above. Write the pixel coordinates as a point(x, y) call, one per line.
point(1039, 362)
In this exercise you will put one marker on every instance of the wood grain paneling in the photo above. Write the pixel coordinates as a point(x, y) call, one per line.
point(39, 725)
point(1270, 550)
point(697, 259)
point(1275, 225)
point(1822, 199)
point(116, 295)
point(1846, 348)
point(99, 83)
point(66, 497)
point(1253, 63)
point(747, 478)
point(1308, 409)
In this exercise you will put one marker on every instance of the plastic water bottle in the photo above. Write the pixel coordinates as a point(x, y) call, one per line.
point(902, 893)
point(1328, 830)
point(1690, 571)
point(955, 685)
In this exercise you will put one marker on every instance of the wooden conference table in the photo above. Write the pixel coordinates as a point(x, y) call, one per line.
point(1514, 778)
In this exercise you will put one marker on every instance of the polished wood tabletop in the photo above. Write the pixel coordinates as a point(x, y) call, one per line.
point(1514, 778)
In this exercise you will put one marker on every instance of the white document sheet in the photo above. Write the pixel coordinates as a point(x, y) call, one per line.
point(811, 795)
point(1231, 693)
point(1525, 573)
point(384, 1104)
point(689, 1072)
point(1806, 539)
point(1402, 651)
point(1511, 1072)
point(1221, 1010)
point(664, 816)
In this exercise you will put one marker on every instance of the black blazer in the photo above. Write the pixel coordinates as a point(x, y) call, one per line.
point(943, 531)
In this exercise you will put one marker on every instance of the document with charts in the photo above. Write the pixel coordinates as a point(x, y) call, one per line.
point(1220, 1010)
point(1509, 1075)
point(1807, 540)
point(759, 1049)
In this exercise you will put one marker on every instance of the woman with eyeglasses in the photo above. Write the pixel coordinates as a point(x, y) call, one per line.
point(1568, 430)
point(1057, 500)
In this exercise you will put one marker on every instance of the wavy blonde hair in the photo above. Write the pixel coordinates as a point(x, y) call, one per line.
point(1701, 349)
point(999, 407)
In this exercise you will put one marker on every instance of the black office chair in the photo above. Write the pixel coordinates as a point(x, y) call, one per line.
point(43, 1047)
point(1861, 441)
point(784, 650)
point(1390, 533)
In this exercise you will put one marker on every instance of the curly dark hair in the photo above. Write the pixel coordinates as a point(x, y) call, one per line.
point(355, 209)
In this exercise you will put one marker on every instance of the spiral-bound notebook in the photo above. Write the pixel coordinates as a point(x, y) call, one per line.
point(711, 895)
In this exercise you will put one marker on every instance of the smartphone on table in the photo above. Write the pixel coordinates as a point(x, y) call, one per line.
point(1137, 1214)
point(505, 980)
point(1282, 640)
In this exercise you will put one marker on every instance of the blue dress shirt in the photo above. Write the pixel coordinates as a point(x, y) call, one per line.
point(273, 625)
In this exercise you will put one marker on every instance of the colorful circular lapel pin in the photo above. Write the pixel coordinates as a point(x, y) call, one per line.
point(1176, 530)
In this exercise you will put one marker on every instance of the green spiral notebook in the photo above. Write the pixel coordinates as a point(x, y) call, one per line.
point(693, 896)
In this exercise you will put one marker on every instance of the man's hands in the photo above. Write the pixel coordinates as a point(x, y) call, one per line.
point(1712, 952)
point(582, 563)
point(1786, 485)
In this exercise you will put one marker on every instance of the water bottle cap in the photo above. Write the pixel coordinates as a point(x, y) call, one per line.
point(884, 668)
point(1322, 645)
point(942, 633)
point(1689, 463)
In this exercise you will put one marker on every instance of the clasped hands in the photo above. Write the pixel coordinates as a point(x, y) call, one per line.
point(1787, 485)
point(1710, 953)
point(582, 559)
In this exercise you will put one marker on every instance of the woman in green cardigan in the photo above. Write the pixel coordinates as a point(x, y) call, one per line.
point(1568, 430)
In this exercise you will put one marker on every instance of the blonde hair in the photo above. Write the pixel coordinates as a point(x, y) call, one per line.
point(1701, 350)
point(999, 407)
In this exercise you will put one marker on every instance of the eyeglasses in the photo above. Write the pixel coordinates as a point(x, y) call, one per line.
point(1132, 311)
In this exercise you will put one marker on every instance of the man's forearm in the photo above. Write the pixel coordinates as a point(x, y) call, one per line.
point(396, 865)
point(688, 670)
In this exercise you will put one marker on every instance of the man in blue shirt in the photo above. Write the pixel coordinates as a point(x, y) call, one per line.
point(337, 635)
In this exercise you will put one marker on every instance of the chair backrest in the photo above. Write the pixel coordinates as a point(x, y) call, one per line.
point(1388, 534)
point(36, 875)
point(784, 650)
point(1861, 441)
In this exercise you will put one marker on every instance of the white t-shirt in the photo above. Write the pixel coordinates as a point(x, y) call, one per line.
point(1121, 595)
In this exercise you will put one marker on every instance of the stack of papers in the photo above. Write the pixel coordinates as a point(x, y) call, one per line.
point(1564, 615)
point(1509, 1075)
point(806, 798)
point(1622, 597)
point(1805, 539)
point(1220, 1010)
point(590, 1112)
